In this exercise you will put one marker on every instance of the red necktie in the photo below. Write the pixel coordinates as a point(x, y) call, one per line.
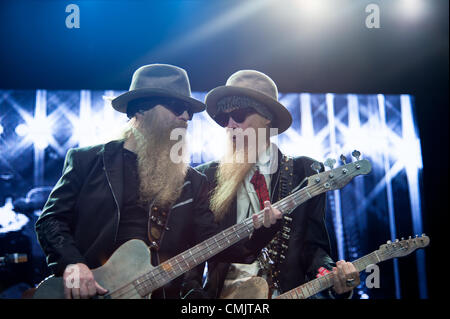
point(259, 183)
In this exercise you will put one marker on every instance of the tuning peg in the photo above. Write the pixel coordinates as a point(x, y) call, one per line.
point(388, 242)
point(343, 159)
point(409, 237)
point(403, 238)
point(316, 167)
point(396, 240)
point(423, 235)
point(356, 154)
point(330, 162)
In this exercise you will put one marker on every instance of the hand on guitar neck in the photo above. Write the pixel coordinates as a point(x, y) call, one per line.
point(345, 277)
point(271, 215)
point(79, 282)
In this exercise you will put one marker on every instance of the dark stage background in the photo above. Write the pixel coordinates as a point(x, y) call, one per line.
point(321, 56)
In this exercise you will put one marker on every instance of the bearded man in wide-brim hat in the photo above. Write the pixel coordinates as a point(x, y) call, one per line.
point(132, 188)
point(248, 108)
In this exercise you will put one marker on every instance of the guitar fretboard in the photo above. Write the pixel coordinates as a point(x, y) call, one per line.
point(181, 263)
point(321, 283)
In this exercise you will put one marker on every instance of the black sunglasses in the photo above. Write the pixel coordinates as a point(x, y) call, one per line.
point(239, 116)
point(177, 107)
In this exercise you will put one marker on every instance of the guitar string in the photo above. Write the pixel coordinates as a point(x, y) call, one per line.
point(317, 285)
point(287, 203)
point(159, 276)
point(160, 272)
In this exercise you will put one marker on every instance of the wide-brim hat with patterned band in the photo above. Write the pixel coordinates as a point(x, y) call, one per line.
point(257, 87)
point(158, 81)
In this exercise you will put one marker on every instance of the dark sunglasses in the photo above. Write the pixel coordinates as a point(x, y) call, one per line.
point(239, 116)
point(175, 106)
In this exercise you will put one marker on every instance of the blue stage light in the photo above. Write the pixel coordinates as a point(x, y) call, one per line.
point(380, 126)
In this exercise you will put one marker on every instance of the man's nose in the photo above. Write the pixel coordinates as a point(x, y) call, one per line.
point(185, 116)
point(232, 123)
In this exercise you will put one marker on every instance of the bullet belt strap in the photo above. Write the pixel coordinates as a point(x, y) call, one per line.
point(275, 252)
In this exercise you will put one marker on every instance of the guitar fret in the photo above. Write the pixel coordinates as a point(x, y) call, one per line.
point(236, 232)
point(201, 252)
point(299, 296)
point(192, 256)
point(218, 245)
point(310, 292)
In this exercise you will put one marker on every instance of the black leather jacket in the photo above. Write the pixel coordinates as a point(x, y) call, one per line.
point(80, 220)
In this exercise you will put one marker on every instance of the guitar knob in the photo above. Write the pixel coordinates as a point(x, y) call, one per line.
point(316, 167)
point(330, 163)
point(356, 154)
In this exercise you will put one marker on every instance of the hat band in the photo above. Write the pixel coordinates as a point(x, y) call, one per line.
point(230, 103)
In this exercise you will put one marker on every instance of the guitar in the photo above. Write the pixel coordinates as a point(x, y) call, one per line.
point(128, 273)
point(385, 252)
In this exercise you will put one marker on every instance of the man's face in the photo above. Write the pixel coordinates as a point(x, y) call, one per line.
point(253, 121)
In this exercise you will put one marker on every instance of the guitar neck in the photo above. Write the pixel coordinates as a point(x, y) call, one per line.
point(181, 263)
point(324, 282)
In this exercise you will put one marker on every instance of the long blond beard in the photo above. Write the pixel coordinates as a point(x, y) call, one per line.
point(160, 179)
point(229, 176)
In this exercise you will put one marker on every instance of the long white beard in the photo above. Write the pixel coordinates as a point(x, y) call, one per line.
point(160, 179)
point(233, 168)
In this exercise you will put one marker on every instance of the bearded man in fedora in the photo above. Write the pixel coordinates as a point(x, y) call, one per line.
point(300, 250)
point(131, 188)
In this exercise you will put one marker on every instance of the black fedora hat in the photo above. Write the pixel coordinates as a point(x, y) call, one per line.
point(256, 86)
point(158, 80)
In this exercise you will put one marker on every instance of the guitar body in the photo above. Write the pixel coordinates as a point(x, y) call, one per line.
point(248, 288)
point(128, 262)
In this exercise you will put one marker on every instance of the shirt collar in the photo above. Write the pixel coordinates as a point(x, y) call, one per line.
point(266, 158)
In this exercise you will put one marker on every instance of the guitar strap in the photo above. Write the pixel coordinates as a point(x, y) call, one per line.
point(274, 253)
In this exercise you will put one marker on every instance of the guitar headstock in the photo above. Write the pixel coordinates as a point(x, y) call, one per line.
point(403, 247)
point(336, 178)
